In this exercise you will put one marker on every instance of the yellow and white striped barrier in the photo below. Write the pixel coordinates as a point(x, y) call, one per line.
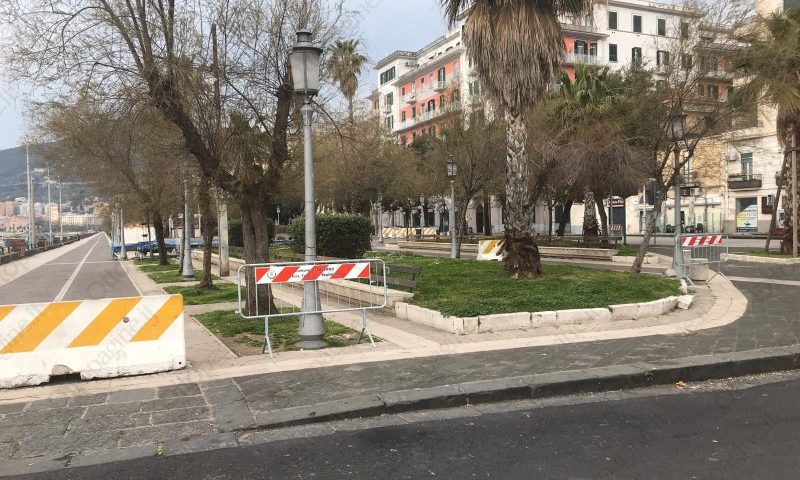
point(96, 338)
point(403, 232)
point(490, 250)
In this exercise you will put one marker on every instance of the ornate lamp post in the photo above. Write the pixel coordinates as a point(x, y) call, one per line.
point(676, 135)
point(452, 171)
point(305, 63)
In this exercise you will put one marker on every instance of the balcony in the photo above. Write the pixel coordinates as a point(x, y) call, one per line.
point(690, 180)
point(387, 108)
point(744, 181)
point(572, 58)
point(440, 86)
point(410, 98)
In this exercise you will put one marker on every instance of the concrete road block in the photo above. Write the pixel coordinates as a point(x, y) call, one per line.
point(685, 301)
point(504, 321)
point(96, 338)
point(625, 311)
point(401, 310)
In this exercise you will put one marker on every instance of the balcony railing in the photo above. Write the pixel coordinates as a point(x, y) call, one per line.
point(585, 58)
point(744, 181)
point(409, 97)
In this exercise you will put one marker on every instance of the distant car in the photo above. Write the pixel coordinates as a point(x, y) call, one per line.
point(282, 241)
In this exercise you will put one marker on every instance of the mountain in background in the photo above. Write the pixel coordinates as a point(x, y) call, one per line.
point(13, 183)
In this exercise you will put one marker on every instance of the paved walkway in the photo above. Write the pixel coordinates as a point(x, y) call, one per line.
point(132, 422)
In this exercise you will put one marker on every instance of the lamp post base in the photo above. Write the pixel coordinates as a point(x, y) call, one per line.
point(311, 342)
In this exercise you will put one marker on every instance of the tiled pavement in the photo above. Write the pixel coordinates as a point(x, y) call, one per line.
point(148, 419)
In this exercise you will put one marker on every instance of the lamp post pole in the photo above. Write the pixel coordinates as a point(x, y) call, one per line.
point(31, 213)
point(60, 220)
point(676, 264)
point(305, 58)
point(380, 217)
point(794, 195)
point(188, 269)
point(123, 253)
point(452, 170)
point(49, 211)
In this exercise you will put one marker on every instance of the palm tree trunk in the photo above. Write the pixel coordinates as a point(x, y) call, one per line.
point(788, 240)
point(565, 216)
point(350, 112)
point(590, 226)
point(603, 217)
point(521, 252)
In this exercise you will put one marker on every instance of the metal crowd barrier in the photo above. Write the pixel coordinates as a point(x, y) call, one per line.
point(270, 291)
point(702, 253)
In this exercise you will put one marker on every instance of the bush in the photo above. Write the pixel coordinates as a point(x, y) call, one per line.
point(342, 236)
point(235, 236)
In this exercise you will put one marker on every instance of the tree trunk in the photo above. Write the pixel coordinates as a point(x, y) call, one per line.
point(648, 235)
point(781, 180)
point(350, 111)
point(565, 216)
point(158, 225)
point(149, 238)
point(549, 220)
point(521, 257)
point(789, 206)
point(207, 226)
point(603, 217)
point(255, 234)
point(487, 214)
point(590, 226)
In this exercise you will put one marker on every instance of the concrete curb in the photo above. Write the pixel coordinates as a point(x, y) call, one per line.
point(593, 380)
point(756, 259)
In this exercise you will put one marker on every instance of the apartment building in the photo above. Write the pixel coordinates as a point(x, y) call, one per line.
point(415, 88)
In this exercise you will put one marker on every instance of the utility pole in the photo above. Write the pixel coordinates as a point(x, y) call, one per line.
point(123, 254)
point(31, 213)
point(380, 217)
point(49, 211)
point(677, 264)
point(60, 220)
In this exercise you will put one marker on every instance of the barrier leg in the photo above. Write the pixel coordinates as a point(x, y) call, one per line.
point(267, 343)
point(365, 329)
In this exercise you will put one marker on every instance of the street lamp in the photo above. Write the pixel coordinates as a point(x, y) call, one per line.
point(452, 170)
point(305, 61)
point(676, 134)
point(278, 210)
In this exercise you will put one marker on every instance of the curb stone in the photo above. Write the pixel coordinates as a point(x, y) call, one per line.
point(574, 382)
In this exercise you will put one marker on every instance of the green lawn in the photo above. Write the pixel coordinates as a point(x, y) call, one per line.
point(282, 331)
point(223, 293)
point(174, 276)
point(627, 251)
point(151, 265)
point(468, 288)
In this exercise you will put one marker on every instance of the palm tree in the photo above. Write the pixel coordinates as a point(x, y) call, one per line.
point(516, 46)
point(346, 64)
point(772, 63)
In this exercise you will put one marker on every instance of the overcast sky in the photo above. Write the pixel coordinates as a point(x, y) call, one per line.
point(384, 26)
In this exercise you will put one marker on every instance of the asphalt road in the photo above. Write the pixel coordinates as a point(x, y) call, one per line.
point(86, 272)
point(724, 434)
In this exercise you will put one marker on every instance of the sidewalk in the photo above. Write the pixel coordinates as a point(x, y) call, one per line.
point(92, 422)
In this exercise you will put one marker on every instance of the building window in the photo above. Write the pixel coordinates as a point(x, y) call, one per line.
point(636, 55)
point(431, 105)
point(684, 30)
point(413, 111)
point(729, 91)
point(747, 164)
point(612, 20)
point(579, 47)
point(403, 92)
point(686, 61)
point(403, 116)
point(713, 92)
point(593, 49)
point(440, 75)
point(662, 58)
point(389, 99)
point(637, 24)
point(612, 52)
point(387, 75)
point(662, 27)
point(390, 122)
point(441, 102)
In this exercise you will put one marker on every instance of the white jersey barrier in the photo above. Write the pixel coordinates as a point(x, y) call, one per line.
point(96, 338)
point(490, 250)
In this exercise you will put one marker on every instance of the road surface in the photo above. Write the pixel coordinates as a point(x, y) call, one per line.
point(86, 272)
point(741, 433)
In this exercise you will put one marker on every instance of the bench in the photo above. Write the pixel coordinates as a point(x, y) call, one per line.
point(409, 283)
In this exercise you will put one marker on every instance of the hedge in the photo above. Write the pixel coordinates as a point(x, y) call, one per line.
point(235, 237)
point(341, 236)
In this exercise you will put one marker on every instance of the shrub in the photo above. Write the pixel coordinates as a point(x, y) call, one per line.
point(235, 236)
point(342, 236)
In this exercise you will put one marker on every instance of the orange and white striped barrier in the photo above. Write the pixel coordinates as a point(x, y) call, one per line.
point(312, 272)
point(702, 240)
point(96, 338)
point(490, 250)
point(403, 232)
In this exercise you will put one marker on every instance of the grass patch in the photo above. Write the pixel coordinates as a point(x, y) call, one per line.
point(193, 295)
point(282, 331)
point(627, 251)
point(467, 288)
point(762, 253)
point(173, 276)
point(152, 265)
